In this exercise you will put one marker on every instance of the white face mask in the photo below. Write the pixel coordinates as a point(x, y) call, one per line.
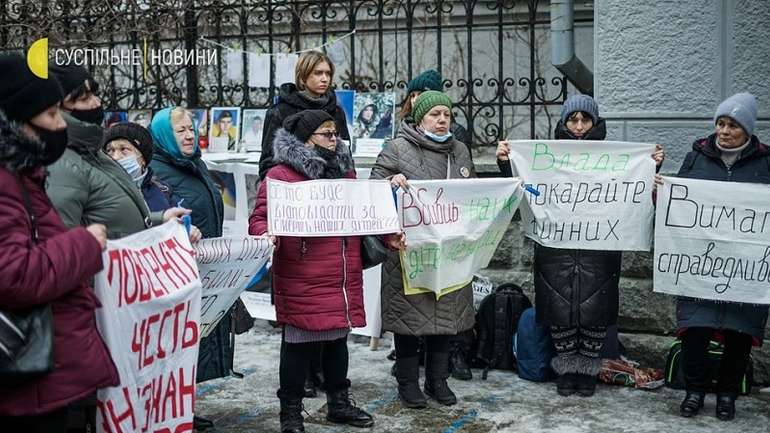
point(131, 165)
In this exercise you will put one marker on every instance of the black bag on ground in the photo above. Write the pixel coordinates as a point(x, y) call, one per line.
point(496, 321)
point(26, 336)
point(675, 372)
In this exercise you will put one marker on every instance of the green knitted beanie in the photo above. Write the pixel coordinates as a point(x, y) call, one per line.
point(426, 101)
point(428, 80)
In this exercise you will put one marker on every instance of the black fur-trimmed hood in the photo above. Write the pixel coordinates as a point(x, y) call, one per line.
point(287, 149)
point(18, 152)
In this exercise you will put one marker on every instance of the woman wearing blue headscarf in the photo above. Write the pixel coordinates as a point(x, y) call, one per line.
point(177, 162)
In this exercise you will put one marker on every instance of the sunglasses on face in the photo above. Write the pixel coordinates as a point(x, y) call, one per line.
point(328, 134)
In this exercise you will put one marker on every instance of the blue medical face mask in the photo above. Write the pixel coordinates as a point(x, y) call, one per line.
point(131, 165)
point(438, 138)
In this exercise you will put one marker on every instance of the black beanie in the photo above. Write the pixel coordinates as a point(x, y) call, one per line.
point(22, 94)
point(71, 77)
point(303, 124)
point(137, 134)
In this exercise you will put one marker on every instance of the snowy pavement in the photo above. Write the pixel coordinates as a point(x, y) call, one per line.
point(503, 403)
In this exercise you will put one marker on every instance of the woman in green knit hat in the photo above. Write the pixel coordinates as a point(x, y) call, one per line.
point(430, 80)
point(424, 149)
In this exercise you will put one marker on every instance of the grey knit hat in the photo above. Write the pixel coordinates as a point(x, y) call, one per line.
point(741, 107)
point(582, 103)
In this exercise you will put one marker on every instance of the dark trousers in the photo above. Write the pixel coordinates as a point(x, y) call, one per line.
point(295, 363)
point(407, 345)
point(52, 422)
point(735, 360)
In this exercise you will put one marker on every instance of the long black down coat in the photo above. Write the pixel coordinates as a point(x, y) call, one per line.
point(577, 287)
point(753, 165)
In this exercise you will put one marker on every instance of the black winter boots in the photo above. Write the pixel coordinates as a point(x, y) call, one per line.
point(291, 415)
point(692, 404)
point(408, 376)
point(342, 410)
point(436, 374)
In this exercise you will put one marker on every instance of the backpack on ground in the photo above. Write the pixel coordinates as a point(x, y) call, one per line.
point(496, 321)
point(675, 371)
point(533, 349)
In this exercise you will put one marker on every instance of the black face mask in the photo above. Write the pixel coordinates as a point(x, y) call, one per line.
point(55, 143)
point(94, 116)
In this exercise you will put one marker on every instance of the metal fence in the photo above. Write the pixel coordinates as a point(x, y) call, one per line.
point(489, 52)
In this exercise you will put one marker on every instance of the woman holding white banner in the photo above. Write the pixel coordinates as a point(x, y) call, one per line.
point(423, 149)
point(317, 281)
point(576, 291)
point(731, 154)
point(42, 262)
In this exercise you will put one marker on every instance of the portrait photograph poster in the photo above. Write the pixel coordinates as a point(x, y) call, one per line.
point(373, 122)
point(224, 131)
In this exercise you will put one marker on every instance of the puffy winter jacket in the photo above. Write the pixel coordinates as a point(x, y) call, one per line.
point(317, 281)
point(87, 187)
point(291, 101)
point(56, 271)
point(417, 157)
point(577, 287)
point(753, 165)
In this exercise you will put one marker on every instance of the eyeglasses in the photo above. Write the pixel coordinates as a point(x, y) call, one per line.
point(328, 134)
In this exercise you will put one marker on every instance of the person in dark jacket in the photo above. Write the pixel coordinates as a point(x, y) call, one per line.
point(431, 80)
point(731, 154)
point(85, 185)
point(317, 282)
point(55, 268)
point(177, 161)
point(311, 90)
point(424, 149)
point(576, 291)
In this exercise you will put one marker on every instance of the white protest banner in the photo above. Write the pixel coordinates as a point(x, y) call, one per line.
point(150, 293)
point(227, 267)
point(452, 229)
point(341, 207)
point(591, 194)
point(712, 240)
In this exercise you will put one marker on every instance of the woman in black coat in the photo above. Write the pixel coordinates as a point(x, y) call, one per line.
point(312, 90)
point(576, 291)
point(731, 154)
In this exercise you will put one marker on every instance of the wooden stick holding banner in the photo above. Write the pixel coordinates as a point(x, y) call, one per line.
point(710, 247)
point(591, 194)
point(453, 228)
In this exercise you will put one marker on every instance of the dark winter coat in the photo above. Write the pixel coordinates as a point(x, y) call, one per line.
point(417, 157)
point(53, 271)
point(753, 165)
point(157, 193)
point(317, 281)
point(190, 180)
point(291, 101)
point(88, 187)
point(576, 287)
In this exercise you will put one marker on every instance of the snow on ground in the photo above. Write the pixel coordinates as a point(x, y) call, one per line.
point(503, 403)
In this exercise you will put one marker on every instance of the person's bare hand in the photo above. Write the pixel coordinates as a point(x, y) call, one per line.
point(397, 241)
point(503, 150)
point(657, 181)
point(175, 212)
point(658, 155)
point(99, 232)
point(195, 234)
point(399, 180)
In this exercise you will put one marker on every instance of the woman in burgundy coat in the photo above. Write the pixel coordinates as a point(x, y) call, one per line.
point(56, 269)
point(317, 281)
